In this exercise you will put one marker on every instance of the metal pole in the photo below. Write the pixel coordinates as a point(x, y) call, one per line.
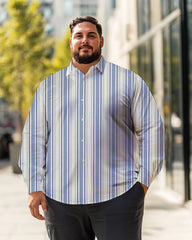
point(185, 96)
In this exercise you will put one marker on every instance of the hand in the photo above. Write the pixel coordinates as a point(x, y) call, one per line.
point(36, 199)
point(145, 188)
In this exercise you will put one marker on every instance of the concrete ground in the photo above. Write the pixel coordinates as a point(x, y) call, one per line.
point(165, 217)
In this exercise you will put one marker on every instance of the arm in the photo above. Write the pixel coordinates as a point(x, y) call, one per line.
point(149, 131)
point(33, 150)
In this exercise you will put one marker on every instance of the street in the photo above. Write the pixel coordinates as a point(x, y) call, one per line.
point(165, 217)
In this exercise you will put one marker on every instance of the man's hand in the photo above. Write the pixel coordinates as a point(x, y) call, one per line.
point(145, 188)
point(36, 199)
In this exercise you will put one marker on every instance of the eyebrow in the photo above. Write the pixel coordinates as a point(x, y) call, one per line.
point(87, 33)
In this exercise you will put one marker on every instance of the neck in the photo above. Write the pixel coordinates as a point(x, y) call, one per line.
point(84, 68)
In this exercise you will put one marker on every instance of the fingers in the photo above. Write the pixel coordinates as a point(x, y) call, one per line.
point(145, 188)
point(35, 200)
point(44, 205)
point(35, 213)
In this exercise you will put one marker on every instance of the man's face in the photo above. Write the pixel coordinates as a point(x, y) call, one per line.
point(86, 43)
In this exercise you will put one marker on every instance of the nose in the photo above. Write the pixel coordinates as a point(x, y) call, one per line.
point(85, 39)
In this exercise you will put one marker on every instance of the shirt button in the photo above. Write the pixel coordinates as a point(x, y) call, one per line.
point(82, 140)
point(82, 100)
point(82, 119)
point(83, 160)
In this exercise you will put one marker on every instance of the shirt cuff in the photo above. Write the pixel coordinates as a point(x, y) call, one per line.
point(38, 187)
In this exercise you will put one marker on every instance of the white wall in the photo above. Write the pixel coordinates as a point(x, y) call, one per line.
point(122, 29)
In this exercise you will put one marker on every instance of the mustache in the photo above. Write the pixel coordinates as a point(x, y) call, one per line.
point(85, 45)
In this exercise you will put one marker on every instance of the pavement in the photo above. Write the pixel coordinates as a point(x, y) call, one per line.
point(166, 217)
point(16, 223)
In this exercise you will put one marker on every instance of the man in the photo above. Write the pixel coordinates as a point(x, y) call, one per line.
point(92, 144)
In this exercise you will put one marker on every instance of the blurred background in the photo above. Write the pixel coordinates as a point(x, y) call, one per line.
point(151, 37)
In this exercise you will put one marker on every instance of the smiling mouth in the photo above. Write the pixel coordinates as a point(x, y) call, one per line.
point(85, 47)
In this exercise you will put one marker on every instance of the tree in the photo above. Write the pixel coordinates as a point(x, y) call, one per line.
point(24, 53)
point(62, 55)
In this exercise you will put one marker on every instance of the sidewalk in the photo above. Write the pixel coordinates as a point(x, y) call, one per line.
point(16, 222)
point(165, 217)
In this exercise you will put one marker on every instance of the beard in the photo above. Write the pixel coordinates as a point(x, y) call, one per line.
point(88, 58)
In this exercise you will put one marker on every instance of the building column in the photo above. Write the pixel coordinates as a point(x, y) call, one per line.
point(185, 96)
point(158, 84)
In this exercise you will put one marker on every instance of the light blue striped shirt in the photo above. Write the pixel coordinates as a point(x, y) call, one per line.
point(90, 138)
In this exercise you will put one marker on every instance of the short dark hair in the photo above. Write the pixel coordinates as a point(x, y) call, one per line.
point(92, 20)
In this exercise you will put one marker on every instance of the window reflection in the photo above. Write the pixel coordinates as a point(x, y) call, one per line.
point(47, 13)
point(174, 4)
point(172, 106)
point(167, 100)
point(167, 6)
point(189, 2)
point(143, 13)
point(141, 62)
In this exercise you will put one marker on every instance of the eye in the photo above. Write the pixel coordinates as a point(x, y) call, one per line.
point(78, 36)
point(91, 36)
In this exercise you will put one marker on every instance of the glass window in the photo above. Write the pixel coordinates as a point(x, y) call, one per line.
point(167, 6)
point(175, 64)
point(174, 4)
point(141, 62)
point(68, 8)
point(48, 28)
point(47, 13)
point(176, 111)
point(46, 2)
point(164, 8)
point(113, 4)
point(167, 102)
point(143, 16)
point(87, 9)
point(173, 107)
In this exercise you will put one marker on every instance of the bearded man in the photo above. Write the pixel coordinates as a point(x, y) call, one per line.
point(92, 144)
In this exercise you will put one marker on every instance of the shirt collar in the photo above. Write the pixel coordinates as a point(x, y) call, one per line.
point(99, 66)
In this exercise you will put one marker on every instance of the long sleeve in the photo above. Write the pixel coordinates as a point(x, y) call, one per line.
point(90, 138)
point(34, 139)
point(149, 132)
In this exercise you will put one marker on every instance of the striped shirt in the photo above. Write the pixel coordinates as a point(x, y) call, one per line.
point(90, 138)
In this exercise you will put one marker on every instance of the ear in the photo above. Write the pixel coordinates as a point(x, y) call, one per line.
point(102, 41)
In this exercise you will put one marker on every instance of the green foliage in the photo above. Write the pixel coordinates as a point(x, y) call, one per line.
point(24, 54)
point(62, 55)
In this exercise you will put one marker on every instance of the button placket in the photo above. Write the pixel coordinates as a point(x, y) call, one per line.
point(82, 120)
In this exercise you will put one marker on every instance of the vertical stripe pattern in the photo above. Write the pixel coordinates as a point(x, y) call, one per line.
point(89, 138)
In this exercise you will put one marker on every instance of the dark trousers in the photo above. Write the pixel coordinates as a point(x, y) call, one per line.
point(119, 218)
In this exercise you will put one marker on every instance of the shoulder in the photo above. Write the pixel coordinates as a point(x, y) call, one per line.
point(53, 79)
point(123, 74)
point(117, 68)
point(57, 75)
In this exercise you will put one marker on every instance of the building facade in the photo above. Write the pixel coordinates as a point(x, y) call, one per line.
point(146, 36)
point(58, 13)
point(65, 10)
